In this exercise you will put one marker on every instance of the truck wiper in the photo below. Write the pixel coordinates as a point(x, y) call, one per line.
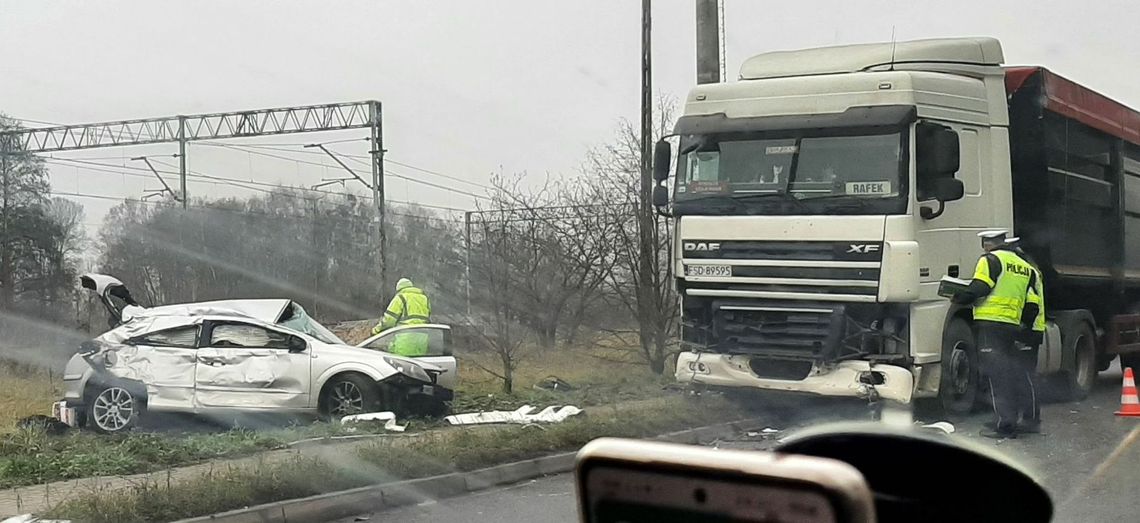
point(856, 200)
point(784, 195)
point(719, 198)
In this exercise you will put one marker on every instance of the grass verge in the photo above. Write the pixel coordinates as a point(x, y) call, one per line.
point(383, 461)
point(29, 457)
point(26, 390)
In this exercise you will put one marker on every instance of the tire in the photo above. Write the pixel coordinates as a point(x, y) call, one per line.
point(960, 375)
point(114, 408)
point(1078, 339)
point(349, 394)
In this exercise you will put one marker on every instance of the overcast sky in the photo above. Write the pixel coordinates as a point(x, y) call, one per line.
point(468, 87)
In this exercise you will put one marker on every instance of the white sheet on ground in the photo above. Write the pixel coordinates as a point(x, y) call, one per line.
point(29, 518)
point(389, 419)
point(522, 415)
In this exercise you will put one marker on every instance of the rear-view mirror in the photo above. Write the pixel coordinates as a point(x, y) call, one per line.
point(943, 190)
point(297, 344)
point(948, 189)
point(662, 154)
point(936, 151)
point(660, 196)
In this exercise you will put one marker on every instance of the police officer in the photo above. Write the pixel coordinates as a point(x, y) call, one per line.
point(998, 292)
point(1032, 335)
point(410, 306)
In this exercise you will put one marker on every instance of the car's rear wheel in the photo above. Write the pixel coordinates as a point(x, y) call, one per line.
point(113, 409)
point(349, 394)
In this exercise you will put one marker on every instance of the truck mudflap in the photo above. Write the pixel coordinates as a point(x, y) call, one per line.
point(852, 378)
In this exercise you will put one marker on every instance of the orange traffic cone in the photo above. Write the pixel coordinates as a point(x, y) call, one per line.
point(1129, 401)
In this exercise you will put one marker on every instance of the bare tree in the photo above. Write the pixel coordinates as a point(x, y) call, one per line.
point(495, 280)
point(642, 276)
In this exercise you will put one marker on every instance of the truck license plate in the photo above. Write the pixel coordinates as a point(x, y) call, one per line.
point(428, 389)
point(714, 271)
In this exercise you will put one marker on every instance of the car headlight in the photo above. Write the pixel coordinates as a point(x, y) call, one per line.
point(408, 368)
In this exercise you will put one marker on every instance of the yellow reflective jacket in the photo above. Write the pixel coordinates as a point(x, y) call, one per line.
point(1010, 279)
point(410, 306)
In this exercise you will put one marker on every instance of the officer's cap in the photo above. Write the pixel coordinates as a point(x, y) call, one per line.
point(995, 234)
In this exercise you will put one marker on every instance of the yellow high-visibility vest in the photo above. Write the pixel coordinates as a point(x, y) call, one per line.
point(1009, 292)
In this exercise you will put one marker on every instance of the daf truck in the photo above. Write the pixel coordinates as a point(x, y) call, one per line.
point(818, 201)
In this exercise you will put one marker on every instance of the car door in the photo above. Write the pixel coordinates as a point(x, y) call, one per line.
point(439, 352)
point(164, 361)
point(248, 365)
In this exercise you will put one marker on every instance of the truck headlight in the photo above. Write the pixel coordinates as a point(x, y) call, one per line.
point(408, 369)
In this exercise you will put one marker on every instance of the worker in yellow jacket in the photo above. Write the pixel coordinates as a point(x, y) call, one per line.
point(410, 306)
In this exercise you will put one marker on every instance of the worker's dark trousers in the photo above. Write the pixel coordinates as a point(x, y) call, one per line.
point(1003, 367)
point(1030, 407)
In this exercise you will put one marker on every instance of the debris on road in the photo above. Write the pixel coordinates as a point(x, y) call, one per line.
point(762, 433)
point(554, 383)
point(30, 518)
point(50, 425)
point(520, 416)
point(387, 417)
point(944, 426)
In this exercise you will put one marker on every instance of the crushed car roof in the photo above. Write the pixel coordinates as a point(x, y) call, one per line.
point(265, 310)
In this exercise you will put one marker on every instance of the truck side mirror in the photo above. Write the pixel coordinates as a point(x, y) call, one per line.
point(660, 196)
point(936, 151)
point(944, 190)
point(662, 154)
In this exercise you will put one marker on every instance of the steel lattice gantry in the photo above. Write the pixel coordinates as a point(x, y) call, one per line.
point(216, 126)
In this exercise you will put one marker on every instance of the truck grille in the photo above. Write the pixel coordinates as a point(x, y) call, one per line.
point(775, 332)
point(850, 270)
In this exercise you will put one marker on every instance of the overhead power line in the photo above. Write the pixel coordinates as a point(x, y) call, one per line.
point(223, 209)
point(268, 188)
point(259, 149)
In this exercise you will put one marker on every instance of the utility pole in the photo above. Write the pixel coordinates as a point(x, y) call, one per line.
point(645, 214)
point(377, 139)
point(708, 42)
point(181, 161)
point(467, 258)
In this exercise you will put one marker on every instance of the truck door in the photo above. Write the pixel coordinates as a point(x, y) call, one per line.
point(948, 242)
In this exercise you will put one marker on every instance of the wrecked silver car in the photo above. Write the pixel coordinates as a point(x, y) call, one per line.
point(222, 357)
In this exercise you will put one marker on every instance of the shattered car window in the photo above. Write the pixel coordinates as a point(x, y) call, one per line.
point(186, 337)
point(241, 335)
point(300, 321)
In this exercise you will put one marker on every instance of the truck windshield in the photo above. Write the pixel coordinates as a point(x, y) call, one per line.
point(864, 169)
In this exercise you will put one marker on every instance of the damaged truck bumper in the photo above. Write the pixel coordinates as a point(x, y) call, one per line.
point(852, 378)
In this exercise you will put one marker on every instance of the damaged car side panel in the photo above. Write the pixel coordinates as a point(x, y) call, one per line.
point(252, 366)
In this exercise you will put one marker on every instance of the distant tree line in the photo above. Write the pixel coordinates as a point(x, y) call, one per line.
point(41, 238)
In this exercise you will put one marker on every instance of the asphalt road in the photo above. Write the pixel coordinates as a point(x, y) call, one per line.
point(1080, 457)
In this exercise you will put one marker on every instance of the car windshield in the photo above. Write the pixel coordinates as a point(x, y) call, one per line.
point(268, 255)
point(300, 321)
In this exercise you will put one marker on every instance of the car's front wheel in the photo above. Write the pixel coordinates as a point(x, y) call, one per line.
point(349, 394)
point(113, 408)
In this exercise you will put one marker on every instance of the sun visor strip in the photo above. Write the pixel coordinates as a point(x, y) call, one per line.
point(853, 117)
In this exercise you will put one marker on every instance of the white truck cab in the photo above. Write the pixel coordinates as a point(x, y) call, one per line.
point(819, 200)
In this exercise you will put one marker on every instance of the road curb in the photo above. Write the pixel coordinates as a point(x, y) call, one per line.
point(333, 505)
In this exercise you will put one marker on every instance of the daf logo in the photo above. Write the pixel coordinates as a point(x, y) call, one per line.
point(701, 246)
point(866, 248)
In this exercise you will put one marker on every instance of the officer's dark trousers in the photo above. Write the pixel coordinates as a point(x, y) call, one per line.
point(1003, 367)
point(1029, 406)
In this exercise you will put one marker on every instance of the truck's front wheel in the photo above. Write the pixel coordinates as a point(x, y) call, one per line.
point(958, 384)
